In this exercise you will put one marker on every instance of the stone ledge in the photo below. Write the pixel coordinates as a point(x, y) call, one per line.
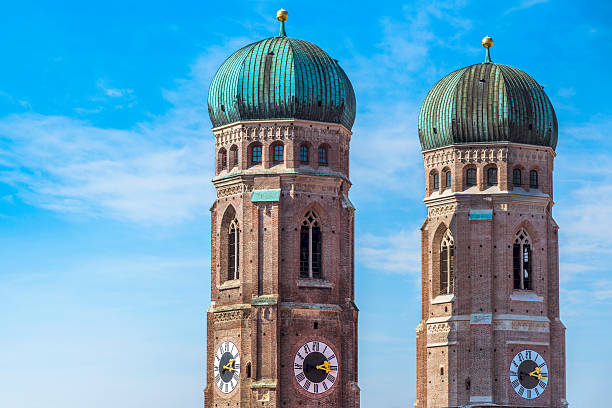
point(264, 384)
point(526, 297)
point(443, 299)
point(318, 306)
point(265, 300)
point(314, 283)
point(231, 284)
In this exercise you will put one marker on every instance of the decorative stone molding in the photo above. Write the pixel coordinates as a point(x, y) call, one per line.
point(440, 328)
point(231, 316)
point(441, 210)
point(234, 189)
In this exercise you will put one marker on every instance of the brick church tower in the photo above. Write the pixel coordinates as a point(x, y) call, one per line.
point(282, 324)
point(490, 333)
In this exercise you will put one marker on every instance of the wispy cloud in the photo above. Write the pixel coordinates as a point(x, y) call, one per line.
point(114, 92)
point(525, 4)
point(156, 172)
point(398, 252)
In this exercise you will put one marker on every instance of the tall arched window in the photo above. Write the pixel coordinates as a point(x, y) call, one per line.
point(233, 247)
point(255, 154)
point(304, 154)
point(522, 261)
point(277, 153)
point(222, 159)
point(322, 156)
point(447, 264)
point(492, 176)
point(436, 181)
point(447, 181)
point(517, 177)
point(533, 179)
point(233, 156)
point(470, 179)
point(310, 246)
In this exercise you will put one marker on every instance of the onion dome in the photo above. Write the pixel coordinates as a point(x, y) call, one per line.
point(281, 78)
point(487, 103)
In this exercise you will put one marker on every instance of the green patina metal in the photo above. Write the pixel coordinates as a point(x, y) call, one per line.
point(487, 103)
point(281, 78)
point(265, 195)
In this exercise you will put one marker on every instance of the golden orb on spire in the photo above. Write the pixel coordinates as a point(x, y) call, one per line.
point(487, 42)
point(282, 15)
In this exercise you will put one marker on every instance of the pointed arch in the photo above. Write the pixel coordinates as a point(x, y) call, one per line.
point(447, 263)
point(229, 245)
point(311, 246)
point(522, 260)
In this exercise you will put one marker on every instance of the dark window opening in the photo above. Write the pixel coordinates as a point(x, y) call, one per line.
point(517, 177)
point(233, 156)
point(533, 179)
point(492, 176)
point(447, 183)
point(255, 155)
point(521, 256)
point(278, 154)
point(316, 325)
point(447, 264)
point(222, 159)
point(248, 370)
point(304, 154)
point(322, 156)
point(471, 177)
point(436, 181)
point(310, 247)
point(233, 247)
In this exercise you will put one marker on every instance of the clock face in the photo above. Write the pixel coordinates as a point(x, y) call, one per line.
point(528, 374)
point(227, 367)
point(315, 367)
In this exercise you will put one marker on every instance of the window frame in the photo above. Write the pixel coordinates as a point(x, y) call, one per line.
point(233, 250)
point(311, 247)
point(276, 157)
point(492, 176)
point(447, 264)
point(517, 174)
point(522, 261)
point(304, 154)
point(533, 179)
point(468, 171)
point(325, 155)
point(252, 148)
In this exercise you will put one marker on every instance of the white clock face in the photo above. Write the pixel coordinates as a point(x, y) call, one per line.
point(528, 374)
point(227, 367)
point(315, 367)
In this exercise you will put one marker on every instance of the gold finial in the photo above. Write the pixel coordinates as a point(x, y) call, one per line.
point(487, 42)
point(282, 15)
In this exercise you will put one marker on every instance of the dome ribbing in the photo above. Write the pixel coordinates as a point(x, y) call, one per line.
point(281, 78)
point(487, 103)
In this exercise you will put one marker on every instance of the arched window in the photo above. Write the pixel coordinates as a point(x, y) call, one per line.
point(447, 181)
point(255, 154)
point(447, 263)
point(310, 246)
point(517, 177)
point(277, 153)
point(322, 156)
point(436, 181)
point(222, 159)
point(304, 154)
point(522, 261)
point(492, 176)
point(533, 179)
point(233, 247)
point(470, 179)
point(233, 156)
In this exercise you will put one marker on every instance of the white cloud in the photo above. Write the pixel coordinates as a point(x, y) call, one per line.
point(156, 172)
point(114, 92)
point(398, 252)
point(525, 4)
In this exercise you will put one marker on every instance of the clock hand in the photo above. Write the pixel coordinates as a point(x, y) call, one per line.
point(536, 373)
point(325, 367)
point(229, 365)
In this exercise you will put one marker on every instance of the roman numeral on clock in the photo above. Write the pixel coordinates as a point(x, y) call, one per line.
point(528, 354)
point(300, 377)
point(542, 365)
point(316, 387)
point(542, 384)
point(298, 366)
point(521, 391)
point(306, 385)
point(513, 373)
point(306, 349)
point(331, 378)
point(325, 385)
point(315, 345)
point(515, 383)
point(236, 375)
point(331, 357)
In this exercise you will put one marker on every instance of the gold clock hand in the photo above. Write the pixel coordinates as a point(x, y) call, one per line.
point(229, 365)
point(325, 367)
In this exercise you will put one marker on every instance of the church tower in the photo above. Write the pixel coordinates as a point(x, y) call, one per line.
point(490, 333)
point(282, 324)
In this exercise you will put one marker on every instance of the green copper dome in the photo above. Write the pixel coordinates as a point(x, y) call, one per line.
point(281, 78)
point(487, 103)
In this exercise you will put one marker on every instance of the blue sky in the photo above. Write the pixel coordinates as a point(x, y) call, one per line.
point(106, 161)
